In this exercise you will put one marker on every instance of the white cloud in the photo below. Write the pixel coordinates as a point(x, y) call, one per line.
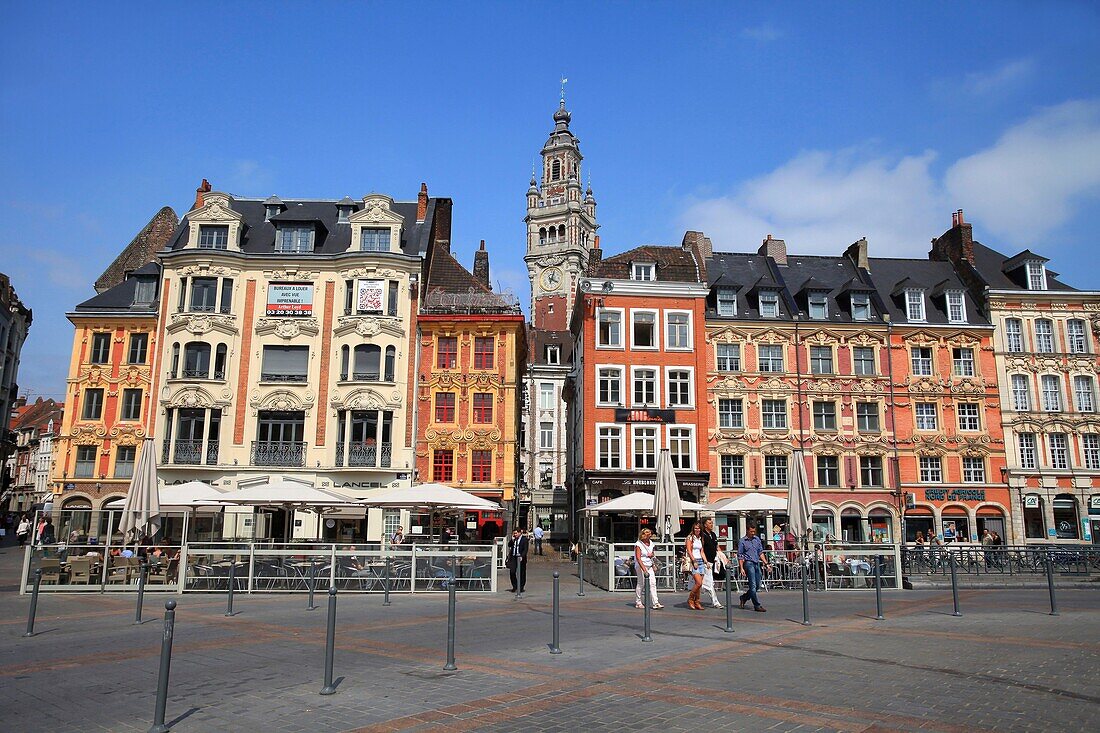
point(763, 33)
point(1031, 180)
point(1003, 77)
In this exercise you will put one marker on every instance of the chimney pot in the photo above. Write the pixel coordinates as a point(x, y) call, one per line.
point(422, 203)
point(203, 188)
point(596, 242)
point(961, 220)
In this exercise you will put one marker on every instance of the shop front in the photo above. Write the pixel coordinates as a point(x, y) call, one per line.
point(601, 486)
point(1059, 514)
point(957, 515)
point(1094, 518)
point(854, 518)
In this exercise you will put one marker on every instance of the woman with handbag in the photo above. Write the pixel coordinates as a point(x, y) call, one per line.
point(693, 553)
point(645, 565)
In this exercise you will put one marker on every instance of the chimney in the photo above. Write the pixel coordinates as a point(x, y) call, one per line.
point(596, 242)
point(205, 187)
point(481, 265)
point(422, 204)
point(595, 257)
point(444, 244)
point(857, 253)
point(774, 248)
point(957, 243)
point(700, 243)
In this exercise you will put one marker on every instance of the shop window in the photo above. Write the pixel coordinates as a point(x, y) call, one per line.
point(882, 526)
point(955, 527)
point(1065, 517)
point(1034, 518)
point(823, 525)
point(852, 526)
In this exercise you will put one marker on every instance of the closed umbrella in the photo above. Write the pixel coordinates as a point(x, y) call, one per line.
point(141, 514)
point(799, 510)
point(666, 498)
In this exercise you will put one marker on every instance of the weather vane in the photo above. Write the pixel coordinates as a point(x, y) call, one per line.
point(563, 83)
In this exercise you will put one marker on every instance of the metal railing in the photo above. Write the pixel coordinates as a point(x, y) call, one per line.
point(362, 453)
point(272, 377)
point(95, 568)
point(374, 376)
point(187, 451)
point(1001, 561)
point(280, 453)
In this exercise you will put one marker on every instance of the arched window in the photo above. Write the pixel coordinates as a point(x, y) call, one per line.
point(345, 355)
point(367, 358)
point(561, 231)
point(175, 360)
point(219, 361)
point(542, 235)
point(1066, 520)
point(391, 359)
point(852, 526)
point(555, 170)
point(196, 360)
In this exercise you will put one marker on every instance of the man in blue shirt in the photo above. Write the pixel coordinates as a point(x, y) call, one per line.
point(750, 556)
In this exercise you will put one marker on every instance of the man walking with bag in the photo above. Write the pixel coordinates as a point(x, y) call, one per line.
point(750, 556)
point(517, 562)
point(710, 552)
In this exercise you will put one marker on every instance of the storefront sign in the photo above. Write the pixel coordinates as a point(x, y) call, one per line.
point(1094, 504)
point(289, 300)
point(647, 414)
point(369, 295)
point(696, 481)
point(954, 494)
point(1031, 501)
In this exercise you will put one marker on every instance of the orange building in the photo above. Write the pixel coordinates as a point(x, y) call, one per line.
point(471, 345)
point(638, 383)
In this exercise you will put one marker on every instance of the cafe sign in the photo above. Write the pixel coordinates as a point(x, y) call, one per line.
point(954, 494)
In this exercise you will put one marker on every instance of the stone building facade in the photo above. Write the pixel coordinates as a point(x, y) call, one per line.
point(15, 322)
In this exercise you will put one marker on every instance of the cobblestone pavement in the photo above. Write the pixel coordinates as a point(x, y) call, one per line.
point(1005, 665)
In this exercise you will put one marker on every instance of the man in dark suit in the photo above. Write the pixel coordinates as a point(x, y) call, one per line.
point(517, 561)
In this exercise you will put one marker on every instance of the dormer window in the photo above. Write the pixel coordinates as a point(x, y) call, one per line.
point(727, 302)
point(914, 305)
point(1036, 275)
point(374, 239)
point(271, 210)
point(553, 355)
point(145, 291)
point(214, 236)
point(643, 271)
point(769, 304)
point(295, 239)
point(956, 306)
point(861, 307)
point(819, 306)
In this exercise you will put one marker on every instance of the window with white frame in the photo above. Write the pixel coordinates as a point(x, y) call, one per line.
point(969, 414)
point(775, 471)
point(643, 329)
point(643, 271)
point(609, 446)
point(1090, 451)
point(1059, 451)
point(1076, 337)
point(546, 435)
point(680, 440)
point(553, 355)
point(1021, 393)
point(610, 328)
point(1084, 393)
point(1014, 335)
point(1026, 444)
point(679, 388)
point(870, 471)
point(729, 357)
point(294, 239)
point(727, 302)
point(963, 362)
point(773, 414)
point(645, 447)
point(645, 387)
point(920, 358)
point(730, 413)
point(732, 470)
point(770, 357)
point(914, 305)
point(374, 239)
point(973, 470)
point(1044, 335)
point(819, 306)
point(1052, 395)
point(863, 360)
point(956, 306)
point(1036, 275)
point(821, 360)
point(610, 385)
point(677, 330)
point(768, 303)
point(931, 470)
point(828, 471)
point(926, 415)
point(546, 395)
point(861, 307)
point(824, 415)
point(867, 417)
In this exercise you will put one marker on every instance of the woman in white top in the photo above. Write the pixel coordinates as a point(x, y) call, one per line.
point(644, 550)
point(693, 548)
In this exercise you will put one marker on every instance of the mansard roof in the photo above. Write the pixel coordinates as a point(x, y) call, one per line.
point(121, 299)
point(1000, 272)
point(891, 276)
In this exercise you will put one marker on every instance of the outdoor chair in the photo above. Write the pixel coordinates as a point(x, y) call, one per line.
point(118, 570)
point(80, 570)
point(51, 570)
point(169, 574)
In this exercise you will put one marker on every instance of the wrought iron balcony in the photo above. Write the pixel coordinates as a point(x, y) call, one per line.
point(360, 377)
point(278, 453)
point(187, 451)
point(270, 377)
point(212, 453)
point(362, 454)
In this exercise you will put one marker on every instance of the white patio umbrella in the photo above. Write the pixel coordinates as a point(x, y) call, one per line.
point(192, 494)
point(638, 502)
point(754, 501)
point(141, 512)
point(288, 495)
point(799, 509)
point(667, 507)
point(426, 496)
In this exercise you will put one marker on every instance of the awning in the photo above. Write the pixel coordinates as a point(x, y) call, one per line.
point(754, 501)
point(426, 496)
point(639, 502)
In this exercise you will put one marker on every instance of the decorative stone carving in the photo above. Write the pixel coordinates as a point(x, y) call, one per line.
point(202, 323)
point(365, 398)
point(367, 326)
point(280, 399)
point(192, 397)
point(291, 274)
point(287, 328)
point(968, 386)
point(88, 434)
point(200, 270)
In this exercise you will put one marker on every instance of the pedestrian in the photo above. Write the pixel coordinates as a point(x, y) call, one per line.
point(398, 537)
point(645, 564)
point(987, 543)
point(445, 536)
point(710, 553)
point(750, 556)
point(693, 549)
point(517, 562)
point(538, 539)
point(23, 531)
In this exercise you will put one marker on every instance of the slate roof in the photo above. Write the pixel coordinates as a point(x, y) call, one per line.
point(991, 265)
point(892, 275)
point(152, 238)
point(258, 236)
point(120, 298)
point(674, 264)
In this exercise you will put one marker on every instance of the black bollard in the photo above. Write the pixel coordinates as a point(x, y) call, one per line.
point(805, 593)
point(386, 584)
point(954, 587)
point(34, 602)
point(644, 579)
point(1050, 586)
point(312, 583)
point(450, 665)
point(232, 587)
point(580, 572)
point(554, 648)
point(141, 593)
point(878, 588)
point(729, 600)
point(165, 667)
point(330, 642)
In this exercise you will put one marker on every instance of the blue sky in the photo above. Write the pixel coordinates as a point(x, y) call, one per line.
point(818, 124)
